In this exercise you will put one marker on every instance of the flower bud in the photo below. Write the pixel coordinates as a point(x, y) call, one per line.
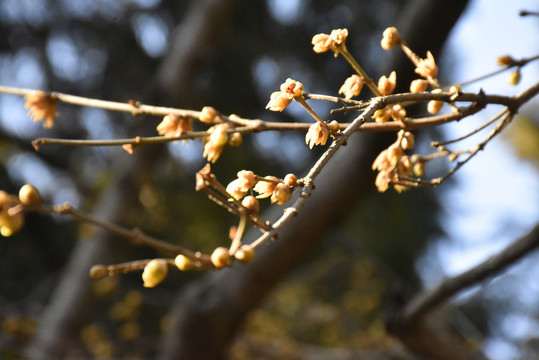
point(514, 77)
point(434, 106)
point(334, 126)
point(29, 195)
point(235, 139)
point(419, 168)
point(391, 38)
point(281, 194)
point(208, 115)
point(251, 203)
point(506, 60)
point(407, 141)
point(245, 254)
point(155, 272)
point(98, 272)
point(221, 258)
point(183, 263)
point(418, 85)
point(290, 179)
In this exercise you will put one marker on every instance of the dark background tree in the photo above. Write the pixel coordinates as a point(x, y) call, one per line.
point(344, 266)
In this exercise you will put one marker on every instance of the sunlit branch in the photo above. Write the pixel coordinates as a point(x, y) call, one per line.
point(308, 181)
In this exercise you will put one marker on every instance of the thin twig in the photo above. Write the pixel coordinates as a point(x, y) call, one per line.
point(431, 298)
point(135, 235)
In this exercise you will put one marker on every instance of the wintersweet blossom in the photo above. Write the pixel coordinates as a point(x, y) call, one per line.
point(290, 89)
point(174, 125)
point(335, 41)
point(352, 86)
point(386, 85)
point(240, 187)
point(281, 194)
point(317, 135)
point(265, 188)
point(41, 106)
point(427, 67)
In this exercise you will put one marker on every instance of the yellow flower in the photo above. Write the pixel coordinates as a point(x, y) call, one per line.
point(42, 106)
point(352, 87)
point(387, 85)
point(281, 194)
point(279, 100)
point(265, 188)
point(317, 135)
point(174, 125)
point(427, 67)
point(335, 41)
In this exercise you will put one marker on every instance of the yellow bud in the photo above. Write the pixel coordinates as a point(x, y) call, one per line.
point(251, 203)
point(434, 106)
point(245, 254)
point(155, 272)
point(290, 179)
point(183, 263)
point(208, 115)
point(419, 168)
point(29, 195)
point(334, 126)
point(514, 77)
point(235, 139)
point(221, 258)
point(98, 272)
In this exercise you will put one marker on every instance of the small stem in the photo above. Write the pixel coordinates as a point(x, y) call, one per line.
point(301, 100)
point(135, 235)
point(240, 233)
point(370, 83)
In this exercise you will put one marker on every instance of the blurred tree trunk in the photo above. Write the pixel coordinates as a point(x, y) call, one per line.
point(208, 313)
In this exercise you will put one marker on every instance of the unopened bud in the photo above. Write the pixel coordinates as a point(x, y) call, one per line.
point(221, 258)
point(245, 254)
point(506, 60)
point(235, 139)
point(514, 77)
point(183, 263)
point(98, 272)
point(29, 195)
point(419, 168)
point(251, 203)
point(155, 272)
point(334, 126)
point(290, 179)
point(407, 141)
point(208, 115)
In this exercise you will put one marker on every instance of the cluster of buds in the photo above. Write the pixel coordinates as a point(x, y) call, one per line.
point(290, 90)
point(395, 112)
point(174, 125)
point(390, 38)
point(41, 106)
point(278, 190)
point(393, 162)
point(336, 41)
point(12, 208)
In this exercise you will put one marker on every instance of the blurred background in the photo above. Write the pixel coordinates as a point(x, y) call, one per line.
point(232, 55)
